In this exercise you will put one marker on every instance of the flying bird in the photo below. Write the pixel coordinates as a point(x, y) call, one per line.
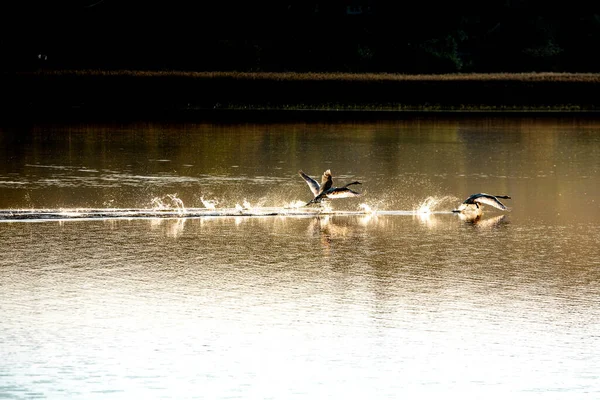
point(483, 198)
point(326, 190)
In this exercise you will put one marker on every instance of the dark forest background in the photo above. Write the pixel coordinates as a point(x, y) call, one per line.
point(318, 36)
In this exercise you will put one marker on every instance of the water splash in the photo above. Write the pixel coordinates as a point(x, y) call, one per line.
point(366, 208)
point(177, 202)
point(246, 205)
point(295, 204)
point(430, 204)
point(157, 203)
point(210, 204)
point(239, 208)
point(426, 206)
point(168, 202)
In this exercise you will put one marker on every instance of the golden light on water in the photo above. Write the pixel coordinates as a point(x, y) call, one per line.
point(396, 297)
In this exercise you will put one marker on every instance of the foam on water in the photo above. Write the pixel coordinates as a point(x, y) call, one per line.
point(171, 206)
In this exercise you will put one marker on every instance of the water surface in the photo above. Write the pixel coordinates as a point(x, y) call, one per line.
point(329, 306)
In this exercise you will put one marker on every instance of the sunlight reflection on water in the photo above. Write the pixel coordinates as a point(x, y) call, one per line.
point(167, 305)
point(385, 296)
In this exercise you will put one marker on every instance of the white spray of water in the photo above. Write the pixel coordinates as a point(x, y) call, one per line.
point(426, 206)
point(168, 202)
point(157, 203)
point(430, 204)
point(426, 209)
point(210, 204)
point(295, 204)
point(326, 207)
point(246, 205)
point(370, 214)
point(176, 202)
point(366, 208)
point(239, 208)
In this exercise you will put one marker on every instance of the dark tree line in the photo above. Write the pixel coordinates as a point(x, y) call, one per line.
point(349, 36)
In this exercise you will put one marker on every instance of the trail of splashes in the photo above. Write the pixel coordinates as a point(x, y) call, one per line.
point(170, 201)
point(366, 208)
point(157, 203)
point(244, 207)
point(430, 204)
point(295, 204)
point(370, 214)
point(177, 202)
point(210, 204)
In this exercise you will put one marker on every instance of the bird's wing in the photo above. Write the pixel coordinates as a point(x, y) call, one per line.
point(472, 198)
point(326, 181)
point(490, 201)
point(312, 184)
point(341, 193)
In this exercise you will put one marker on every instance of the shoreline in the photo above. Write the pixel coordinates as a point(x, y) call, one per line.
point(267, 116)
point(164, 94)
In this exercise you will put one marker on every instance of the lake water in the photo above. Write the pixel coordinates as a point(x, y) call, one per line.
point(408, 300)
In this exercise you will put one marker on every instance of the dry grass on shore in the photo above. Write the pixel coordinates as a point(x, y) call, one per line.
point(175, 90)
point(334, 76)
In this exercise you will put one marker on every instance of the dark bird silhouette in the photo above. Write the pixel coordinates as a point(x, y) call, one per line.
point(326, 190)
point(483, 198)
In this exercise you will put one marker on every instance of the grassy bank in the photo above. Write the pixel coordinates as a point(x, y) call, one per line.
point(143, 91)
